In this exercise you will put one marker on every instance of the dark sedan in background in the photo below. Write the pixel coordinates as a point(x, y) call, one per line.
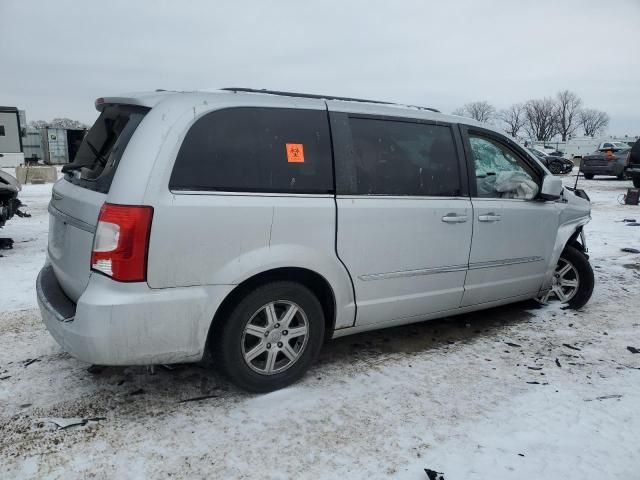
point(555, 164)
point(609, 161)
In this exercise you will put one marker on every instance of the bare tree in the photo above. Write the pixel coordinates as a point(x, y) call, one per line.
point(38, 124)
point(541, 118)
point(59, 123)
point(514, 119)
point(67, 123)
point(593, 121)
point(568, 113)
point(481, 111)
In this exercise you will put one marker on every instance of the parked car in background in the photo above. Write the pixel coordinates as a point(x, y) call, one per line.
point(613, 146)
point(612, 160)
point(250, 226)
point(633, 168)
point(556, 165)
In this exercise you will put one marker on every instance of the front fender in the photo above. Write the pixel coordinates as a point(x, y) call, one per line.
point(576, 212)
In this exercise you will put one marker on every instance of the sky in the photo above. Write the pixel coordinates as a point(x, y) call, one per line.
point(58, 56)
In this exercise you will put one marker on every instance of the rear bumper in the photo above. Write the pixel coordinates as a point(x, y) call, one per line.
point(614, 169)
point(129, 323)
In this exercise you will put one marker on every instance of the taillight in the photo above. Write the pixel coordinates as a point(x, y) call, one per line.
point(121, 243)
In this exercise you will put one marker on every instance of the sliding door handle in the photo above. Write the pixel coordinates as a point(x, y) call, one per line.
point(489, 217)
point(453, 218)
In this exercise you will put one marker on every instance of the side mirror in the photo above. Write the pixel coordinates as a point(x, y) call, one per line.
point(551, 188)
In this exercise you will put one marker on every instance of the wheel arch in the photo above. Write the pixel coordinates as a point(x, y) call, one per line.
point(314, 281)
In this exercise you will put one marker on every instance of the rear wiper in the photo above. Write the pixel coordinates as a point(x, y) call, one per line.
point(71, 167)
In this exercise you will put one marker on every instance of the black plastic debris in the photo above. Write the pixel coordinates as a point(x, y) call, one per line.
point(29, 361)
point(633, 349)
point(633, 224)
point(515, 345)
point(558, 363)
point(630, 250)
point(433, 475)
point(570, 346)
point(629, 220)
point(197, 399)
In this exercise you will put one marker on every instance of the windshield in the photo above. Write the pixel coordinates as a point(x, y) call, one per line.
point(99, 154)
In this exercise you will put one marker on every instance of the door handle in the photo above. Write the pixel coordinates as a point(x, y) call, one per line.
point(489, 217)
point(453, 218)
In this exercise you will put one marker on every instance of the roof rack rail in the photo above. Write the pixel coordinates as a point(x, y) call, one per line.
point(322, 97)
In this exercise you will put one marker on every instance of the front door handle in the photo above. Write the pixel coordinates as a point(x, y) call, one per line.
point(489, 217)
point(453, 218)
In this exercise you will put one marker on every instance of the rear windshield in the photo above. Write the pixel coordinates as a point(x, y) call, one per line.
point(99, 154)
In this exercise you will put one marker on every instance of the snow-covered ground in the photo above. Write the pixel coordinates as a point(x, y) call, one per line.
point(518, 392)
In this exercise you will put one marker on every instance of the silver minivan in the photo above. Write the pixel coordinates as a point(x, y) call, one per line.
point(251, 226)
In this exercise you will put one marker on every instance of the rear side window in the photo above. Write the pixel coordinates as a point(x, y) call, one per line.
point(250, 149)
point(100, 152)
point(404, 158)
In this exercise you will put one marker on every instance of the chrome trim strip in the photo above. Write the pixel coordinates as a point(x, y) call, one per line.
point(412, 273)
point(451, 268)
point(505, 262)
point(70, 220)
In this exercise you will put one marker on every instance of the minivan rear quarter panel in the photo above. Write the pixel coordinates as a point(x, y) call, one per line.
point(224, 238)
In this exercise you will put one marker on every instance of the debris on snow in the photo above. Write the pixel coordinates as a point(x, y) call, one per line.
point(630, 250)
point(633, 349)
point(64, 423)
point(570, 346)
point(197, 399)
point(433, 475)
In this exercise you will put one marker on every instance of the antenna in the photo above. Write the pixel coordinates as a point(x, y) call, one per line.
point(575, 187)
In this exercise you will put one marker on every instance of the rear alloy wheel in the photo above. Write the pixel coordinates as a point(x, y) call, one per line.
point(572, 281)
point(555, 168)
point(271, 337)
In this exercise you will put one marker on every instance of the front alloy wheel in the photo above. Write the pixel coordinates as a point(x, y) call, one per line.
point(572, 281)
point(565, 282)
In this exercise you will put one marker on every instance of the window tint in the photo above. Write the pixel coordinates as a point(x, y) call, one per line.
point(500, 173)
point(256, 150)
point(403, 158)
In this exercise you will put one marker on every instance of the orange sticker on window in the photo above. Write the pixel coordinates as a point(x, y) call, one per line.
point(295, 153)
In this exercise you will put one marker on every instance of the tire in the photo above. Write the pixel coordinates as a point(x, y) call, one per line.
point(555, 168)
point(636, 182)
point(620, 177)
point(273, 368)
point(578, 270)
point(588, 176)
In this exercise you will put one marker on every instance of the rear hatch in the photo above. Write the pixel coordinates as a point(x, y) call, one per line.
point(77, 198)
